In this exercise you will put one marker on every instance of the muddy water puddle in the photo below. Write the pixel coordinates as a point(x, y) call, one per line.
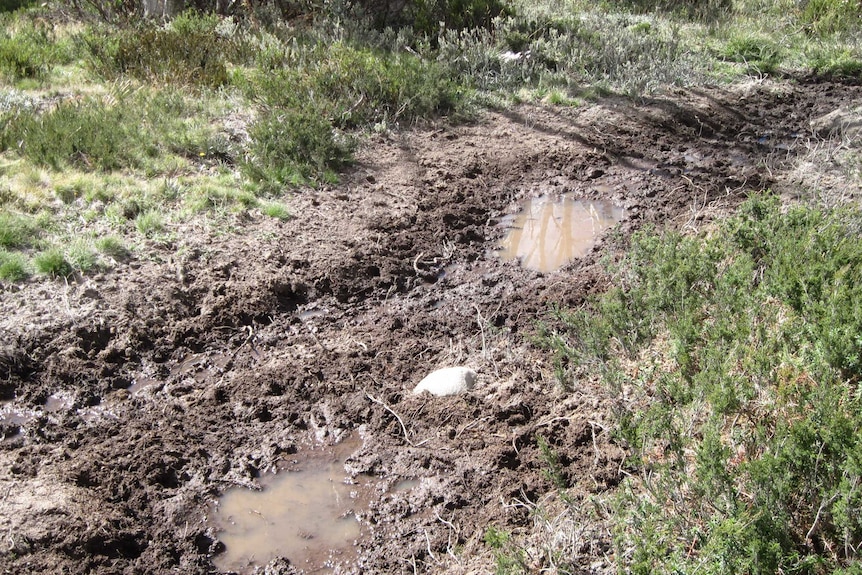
point(549, 232)
point(307, 515)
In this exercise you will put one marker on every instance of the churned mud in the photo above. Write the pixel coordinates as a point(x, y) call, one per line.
point(132, 401)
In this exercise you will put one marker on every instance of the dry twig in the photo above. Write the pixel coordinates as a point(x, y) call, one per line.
point(400, 421)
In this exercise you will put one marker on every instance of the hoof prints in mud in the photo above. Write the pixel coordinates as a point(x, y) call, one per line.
point(226, 371)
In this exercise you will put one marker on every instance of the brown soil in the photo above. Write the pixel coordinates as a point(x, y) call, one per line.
point(136, 397)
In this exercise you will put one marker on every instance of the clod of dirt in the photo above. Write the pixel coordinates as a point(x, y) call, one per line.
point(448, 381)
point(841, 122)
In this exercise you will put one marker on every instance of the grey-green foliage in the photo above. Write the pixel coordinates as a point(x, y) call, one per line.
point(744, 437)
point(702, 10)
point(624, 53)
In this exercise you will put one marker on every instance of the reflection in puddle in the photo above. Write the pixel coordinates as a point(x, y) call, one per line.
point(307, 516)
point(550, 232)
point(60, 401)
point(13, 417)
point(141, 383)
point(405, 485)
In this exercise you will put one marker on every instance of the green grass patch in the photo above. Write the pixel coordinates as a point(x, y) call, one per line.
point(275, 210)
point(743, 416)
point(112, 247)
point(17, 230)
point(823, 17)
point(149, 223)
point(52, 262)
point(217, 195)
point(82, 256)
point(760, 53)
point(13, 266)
point(837, 62)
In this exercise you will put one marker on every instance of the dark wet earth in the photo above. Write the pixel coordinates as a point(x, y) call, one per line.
point(134, 399)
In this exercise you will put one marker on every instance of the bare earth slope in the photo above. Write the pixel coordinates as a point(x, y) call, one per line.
point(133, 399)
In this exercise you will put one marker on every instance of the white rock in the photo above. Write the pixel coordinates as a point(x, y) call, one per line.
point(448, 381)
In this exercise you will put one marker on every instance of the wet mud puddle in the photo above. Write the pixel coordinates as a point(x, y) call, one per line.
point(549, 232)
point(308, 516)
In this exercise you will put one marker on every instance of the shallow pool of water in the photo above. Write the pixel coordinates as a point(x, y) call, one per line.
point(549, 232)
point(307, 516)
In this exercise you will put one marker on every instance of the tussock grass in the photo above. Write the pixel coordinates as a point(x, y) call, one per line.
point(82, 256)
point(17, 230)
point(149, 223)
point(13, 266)
point(52, 262)
point(112, 247)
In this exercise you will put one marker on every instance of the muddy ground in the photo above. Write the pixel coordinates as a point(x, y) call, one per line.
point(134, 398)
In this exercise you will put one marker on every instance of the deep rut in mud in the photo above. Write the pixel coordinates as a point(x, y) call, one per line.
point(133, 399)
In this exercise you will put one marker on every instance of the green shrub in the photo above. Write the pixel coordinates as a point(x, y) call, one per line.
point(298, 139)
point(52, 262)
point(293, 146)
point(126, 131)
point(708, 10)
point(13, 266)
point(86, 134)
point(840, 62)
point(12, 5)
point(743, 429)
point(426, 16)
point(569, 52)
point(189, 51)
point(27, 51)
point(351, 87)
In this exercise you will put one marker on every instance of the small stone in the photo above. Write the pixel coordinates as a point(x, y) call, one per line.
point(448, 381)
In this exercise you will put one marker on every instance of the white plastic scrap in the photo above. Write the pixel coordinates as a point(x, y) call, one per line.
point(448, 381)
